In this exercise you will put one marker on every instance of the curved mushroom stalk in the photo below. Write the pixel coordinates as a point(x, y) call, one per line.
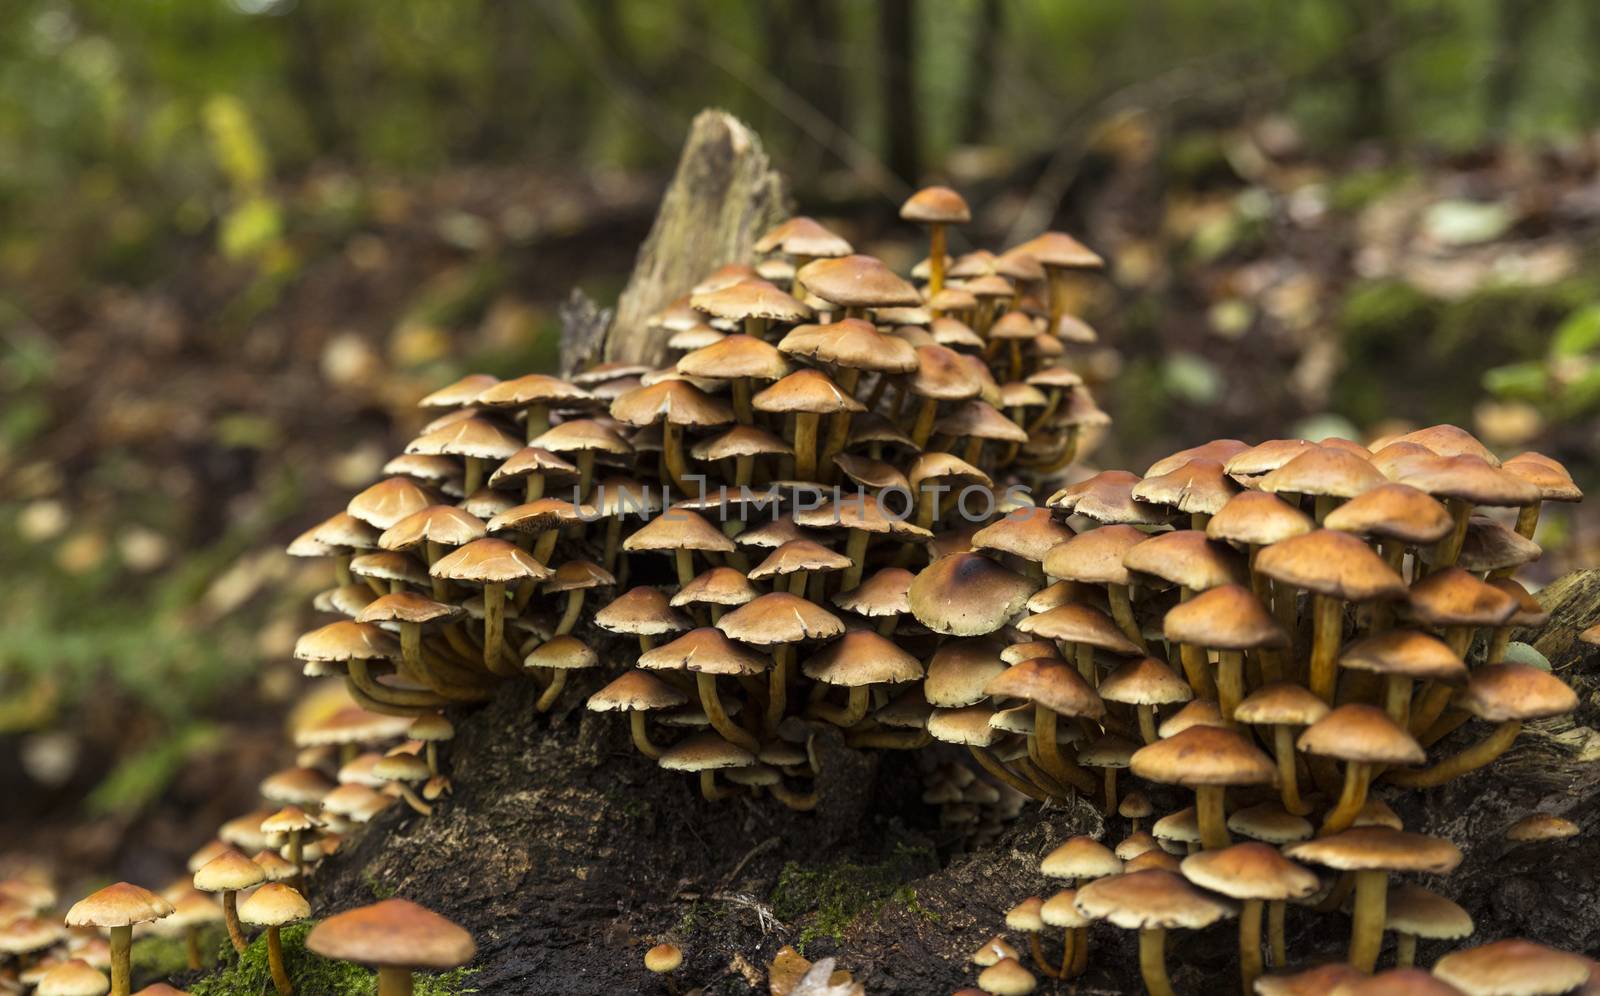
point(1351, 798)
point(993, 766)
point(569, 618)
point(709, 788)
point(711, 702)
point(803, 802)
point(1121, 602)
point(1448, 549)
point(849, 715)
point(1471, 758)
point(552, 693)
point(778, 687)
point(1153, 961)
point(1366, 931)
point(1211, 810)
point(1057, 766)
point(230, 917)
point(641, 735)
point(1288, 776)
point(280, 977)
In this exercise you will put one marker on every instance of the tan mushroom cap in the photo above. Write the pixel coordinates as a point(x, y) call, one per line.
point(229, 871)
point(749, 298)
point(345, 640)
point(1323, 471)
point(1026, 915)
point(1080, 858)
point(960, 670)
point(1541, 827)
point(992, 950)
point(1148, 899)
point(1544, 473)
point(1218, 450)
point(884, 593)
point(799, 555)
point(1029, 533)
point(1491, 546)
point(967, 594)
point(1075, 622)
point(1396, 982)
point(1049, 682)
point(1265, 457)
point(1144, 681)
point(1411, 909)
point(1198, 486)
point(1258, 519)
point(1378, 849)
point(1469, 479)
point(1406, 652)
point(705, 752)
point(936, 205)
point(340, 531)
point(1280, 704)
point(389, 501)
point(540, 516)
point(968, 725)
point(1324, 980)
point(1360, 733)
point(1108, 751)
point(1016, 394)
point(908, 710)
point(442, 524)
point(635, 691)
point(735, 356)
point(1182, 827)
point(779, 617)
point(1269, 822)
point(273, 905)
point(980, 420)
point(870, 473)
point(469, 437)
point(862, 657)
point(1007, 977)
point(461, 392)
point(489, 561)
point(534, 389)
point(663, 958)
point(1512, 968)
point(579, 435)
point(942, 375)
point(1502, 692)
point(1250, 871)
point(1204, 755)
point(1453, 597)
point(1056, 594)
point(943, 466)
point(1449, 441)
point(74, 977)
point(394, 933)
point(1055, 377)
point(641, 611)
point(807, 390)
point(401, 767)
point(1094, 556)
point(1331, 563)
point(675, 401)
point(387, 566)
point(740, 441)
point(802, 236)
point(406, 607)
point(423, 468)
point(563, 652)
point(1393, 511)
point(948, 331)
point(1058, 249)
point(1227, 617)
point(705, 651)
point(678, 529)
point(288, 819)
point(718, 586)
point(851, 343)
point(857, 282)
point(1107, 497)
point(27, 934)
point(1185, 557)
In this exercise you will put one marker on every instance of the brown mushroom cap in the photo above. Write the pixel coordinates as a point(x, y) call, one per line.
point(1453, 597)
point(75, 977)
point(442, 524)
point(968, 726)
point(1502, 692)
point(857, 282)
point(1227, 617)
point(1029, 533)
point(1544, 473)
point(1107, 497)
point(884, 593)
point(1324, 471)
point(1378, 849)
point(1362, 733)
point(564, 652)
point(460, 392)
point(635, 691)
point(641, 611)
point(1406, 652)
point(1250, 871)
point(1469, 479)
point(1050, 682)
point(1150, 899)
point(1080, 858)
point(806, 390)
point(394, 933)
point(229, 871)
point(851, 343)
point(1185, 557)
point(799, 555)
point(1219, 450)
point(273, 905)
point(468, 437)
point(936, 205)
point(1393, 511)
point(407, 607)
point(1265, 457)
point(1259, 519)
point(1144, 681)
point(489, 561)
point(705, 651)
point(960, 670)
point(1449, 441)
point(718, 586)
point(1094, 556)
point(1007, 977)
point(966, 594)
point(678, 529)
point(675, 401)
point(389, 501)
point(580, 435)
point(1058, 249)
point(750, 298)
point(802, 236)
point(1331, 563)
point(1512, 968)
point(1411, 909)
point(1270, 822)
point(533, 389)
point(1198, 486)
point(780, 617)
point(860, 658)
point(1396, 982)
point(1204, 755)
point(1541, 827)
point(345, 640)
point(1075, 622)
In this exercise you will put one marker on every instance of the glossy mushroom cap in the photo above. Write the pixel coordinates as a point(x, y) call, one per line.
point(1331, 563)
point(73, 978)
point(394, 933)
point(966, 594)
point(1204, 755)
point(1512, 968)
point(1250, 871)
point(1151, 898)
point(273, 905)
point(119, 905)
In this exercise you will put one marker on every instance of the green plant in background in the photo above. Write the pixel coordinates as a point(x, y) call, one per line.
point(250, 975)
point(1563, 384)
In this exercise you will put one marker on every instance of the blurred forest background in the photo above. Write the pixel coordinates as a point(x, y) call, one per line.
point(238, 238)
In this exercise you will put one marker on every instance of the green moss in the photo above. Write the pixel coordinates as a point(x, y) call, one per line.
point(250, 975)
point(164, 957)
point(378, 889)
point(826, 900)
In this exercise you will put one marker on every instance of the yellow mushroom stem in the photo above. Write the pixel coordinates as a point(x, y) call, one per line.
point(543, 548)
point(1211, 808)
point(230, 917)
point(1499, 640)
point(1052, 402)
point(923, 427)
point(412, 799)
point(1249, 944)
point(1450, 722)
point(1121, 603)
point(1351, 798)
point(494, 625)
point(1468, 759)
point(1528, 519)
point(805, 445)
point(1230, 683)
point(1366, 929)
point(711, 702)
point(405, 698)
point(1147, 723)
point(1327, 623)
point(855, 547)
point(613, 543)
point(800, 802)
point(533, 487)
point(709, 789)
point(778, 686)
point(341, 570)
point(1397, 698)
point(569, 618)
point(1448, 549)
point(394, 981)
point(936, 251)
point(297, 857)
point(191, 945)
point(846, 716)
point(1288, 777)
point(1153, 961)
point(472, 480)
point(672, 456)
point(547, 698)
point(1110, 778)
point(838, 425)
point(371, 704)
point(1064, 456)
point(538, 422)
point(121, 969)
point(741, 401)
point(1037, 951)
point(641, 735)
point(280, 978)
point(1277, 950)
point(1055, 764)
point(990, 764)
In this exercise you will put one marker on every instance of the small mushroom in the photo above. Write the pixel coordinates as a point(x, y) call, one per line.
point(397, 937)
point(272, 906)
point(118, 907)
point(228, 873)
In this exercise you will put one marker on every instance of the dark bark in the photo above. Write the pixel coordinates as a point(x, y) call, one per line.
point(898, 46)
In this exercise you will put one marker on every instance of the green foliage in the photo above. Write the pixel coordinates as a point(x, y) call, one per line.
point(826, 900)
point(154, 958)
point(251, 975)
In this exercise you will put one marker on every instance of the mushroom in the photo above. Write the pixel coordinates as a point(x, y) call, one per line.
point(1058, 253)
point(396, 937)
point(557, 656)
point(664, 959)
point(742, 359)
point(402, 771)
point(475, 440)
point(1504, 694)
point(707, 653)
point(228, 873)
point(1230, 620)
point(802, 239)
point(1513, 966)
point(779, 620)
point(293, 822)
point(1207, 759)
point(1546, 474)
point(432, 729)
point(642, 612)
point(1007, 977)
point(703, 754)
point(1414, 912)
point(494, 564)
point(1403, 656)
point(858, 661)
point(1187, 559)
point(807, 395)
point(1281, 706)
point(1363, 737)
point(74, 977)
point(676, 405)
point(1152, 902)
point(1372, 853)
point(118, 907)
point(681, 533)
point(1054, 689)
point(936, 207)
point(1541, 828)
point(588, 438)
point(1253, 874)
point(272, 906)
